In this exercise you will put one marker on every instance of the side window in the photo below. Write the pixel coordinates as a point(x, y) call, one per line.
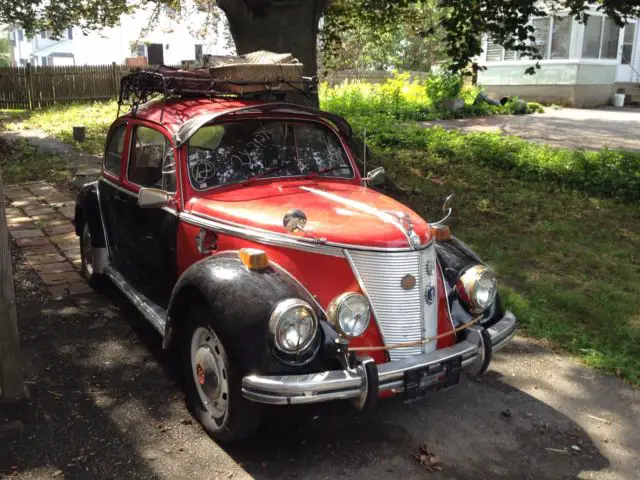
point(151, 162)
point(115, 146)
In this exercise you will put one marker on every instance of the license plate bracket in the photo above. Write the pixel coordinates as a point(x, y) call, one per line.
point(421, 381)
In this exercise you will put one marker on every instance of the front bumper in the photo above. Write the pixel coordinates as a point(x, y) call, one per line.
point(472, 355)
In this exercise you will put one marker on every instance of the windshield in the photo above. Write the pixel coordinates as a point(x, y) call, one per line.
point(226, 153)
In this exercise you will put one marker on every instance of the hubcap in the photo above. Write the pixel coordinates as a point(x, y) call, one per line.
point(86, 252)
point(210, 372)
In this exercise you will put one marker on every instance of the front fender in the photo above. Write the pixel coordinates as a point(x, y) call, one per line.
point(241, 302)
point(455, 257)
point(88, 211)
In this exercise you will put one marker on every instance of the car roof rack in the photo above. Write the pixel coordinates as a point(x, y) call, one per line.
point(255, 81)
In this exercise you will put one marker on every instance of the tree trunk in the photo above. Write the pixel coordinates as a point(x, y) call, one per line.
point(282, 26)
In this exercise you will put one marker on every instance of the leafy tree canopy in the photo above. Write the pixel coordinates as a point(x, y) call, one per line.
point(462, 22)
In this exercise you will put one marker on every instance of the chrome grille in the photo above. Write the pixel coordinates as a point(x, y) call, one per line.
point(402, 315)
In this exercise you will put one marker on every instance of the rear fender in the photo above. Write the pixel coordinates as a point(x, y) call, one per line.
point(88, 211)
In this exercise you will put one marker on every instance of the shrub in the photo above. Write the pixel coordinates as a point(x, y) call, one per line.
point(441, 86)
point(534, 107)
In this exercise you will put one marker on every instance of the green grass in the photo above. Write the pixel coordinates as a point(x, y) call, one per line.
point(569, 265)
point(59, 122)
point(20, 162)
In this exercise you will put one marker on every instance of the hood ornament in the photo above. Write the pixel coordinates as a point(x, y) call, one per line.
point(295, 221)
point(445, 208)
point(407, 224)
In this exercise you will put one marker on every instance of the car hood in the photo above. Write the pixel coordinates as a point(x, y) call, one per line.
point(339, 212)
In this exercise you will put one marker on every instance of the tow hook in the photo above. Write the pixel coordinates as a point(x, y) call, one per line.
point(480, 336)
point(368, 399)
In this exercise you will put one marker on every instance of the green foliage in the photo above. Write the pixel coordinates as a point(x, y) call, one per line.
point(567, 264)
point(59, 121)
point(404, 99)
point(606, 173)
point(534, 107)
point(443, 86)
point(21, 162)
point(5, 61)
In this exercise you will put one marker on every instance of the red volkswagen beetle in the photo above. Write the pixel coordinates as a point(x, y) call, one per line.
point(244, 232)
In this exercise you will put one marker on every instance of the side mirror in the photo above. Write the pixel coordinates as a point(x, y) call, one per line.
point(375, 177)
point(153, 198)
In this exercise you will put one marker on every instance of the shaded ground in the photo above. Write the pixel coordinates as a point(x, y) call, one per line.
point(105, 403)
point(567, 127)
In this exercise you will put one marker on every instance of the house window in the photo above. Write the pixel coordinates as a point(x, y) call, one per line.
point(552, 40)
point(601, 37)
point(44, 35)
point(627, 43)
point(70, 33)
point(198, 52)
point(43, 61)
point(20, 34)
point(140, 50)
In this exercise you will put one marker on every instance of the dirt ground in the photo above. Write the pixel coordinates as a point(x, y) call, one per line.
point(590, 129)
point(105, 402)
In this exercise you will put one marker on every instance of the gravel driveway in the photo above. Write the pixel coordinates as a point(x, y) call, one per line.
point(106, 403)
point(567, 127)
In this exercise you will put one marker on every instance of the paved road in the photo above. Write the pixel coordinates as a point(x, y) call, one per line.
point(567, 127)
point(105, 403)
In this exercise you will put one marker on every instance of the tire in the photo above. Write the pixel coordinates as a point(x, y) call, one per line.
point(213, 383)
point(95, 280)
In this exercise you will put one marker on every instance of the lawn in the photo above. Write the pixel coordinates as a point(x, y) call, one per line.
point(21, 162)
point(561, 227)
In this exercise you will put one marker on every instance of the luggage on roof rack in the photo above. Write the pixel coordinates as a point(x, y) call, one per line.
point(256, 75)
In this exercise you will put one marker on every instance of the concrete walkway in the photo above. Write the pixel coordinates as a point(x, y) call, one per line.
point(591, 129)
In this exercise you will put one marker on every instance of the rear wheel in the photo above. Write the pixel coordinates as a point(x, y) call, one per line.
point(213, 384)
point(95, 280)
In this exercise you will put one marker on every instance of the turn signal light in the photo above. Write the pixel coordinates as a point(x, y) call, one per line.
point(254, 259)
point(442, 233)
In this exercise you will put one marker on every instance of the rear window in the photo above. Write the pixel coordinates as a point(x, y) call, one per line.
point(234, 152)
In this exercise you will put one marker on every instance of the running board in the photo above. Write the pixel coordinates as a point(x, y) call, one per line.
point(155, 314)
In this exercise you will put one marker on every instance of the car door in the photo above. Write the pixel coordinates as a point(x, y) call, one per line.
point(147, 236)
point(109, 184)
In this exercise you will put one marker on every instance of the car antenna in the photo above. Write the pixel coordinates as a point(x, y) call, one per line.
point(364, 154)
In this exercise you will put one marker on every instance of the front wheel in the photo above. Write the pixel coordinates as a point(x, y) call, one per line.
point(213, 384)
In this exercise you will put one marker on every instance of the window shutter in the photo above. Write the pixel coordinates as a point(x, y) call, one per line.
point(610, 37)
point(494, 52)
point(541, 26)
point(591, 42)
point(70, 33)
point(627, 43)
point(560, 37)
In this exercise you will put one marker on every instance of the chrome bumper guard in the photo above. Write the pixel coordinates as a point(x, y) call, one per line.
point(354, 384)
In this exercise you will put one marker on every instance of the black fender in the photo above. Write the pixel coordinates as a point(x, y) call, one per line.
point(455, 257)
point(88, 210)
point(241, 302)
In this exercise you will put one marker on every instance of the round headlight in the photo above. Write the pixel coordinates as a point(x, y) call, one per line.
point(477, 288)
point(293, 325)
point(350, 314)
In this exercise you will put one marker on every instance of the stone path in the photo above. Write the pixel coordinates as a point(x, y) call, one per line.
point(39, 220)
point(83, 167)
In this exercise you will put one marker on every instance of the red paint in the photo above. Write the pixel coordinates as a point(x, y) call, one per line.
point(340, 210)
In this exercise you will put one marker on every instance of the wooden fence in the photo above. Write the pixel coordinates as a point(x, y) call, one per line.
point(38, 87)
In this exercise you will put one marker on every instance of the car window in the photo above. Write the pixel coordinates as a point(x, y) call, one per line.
point(151, 162)
point(237, 151)
point(113, 153)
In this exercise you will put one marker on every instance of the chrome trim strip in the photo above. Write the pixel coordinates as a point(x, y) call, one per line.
point(349, 383)
point(261, 236)
point(154, 314)
point(309, 244)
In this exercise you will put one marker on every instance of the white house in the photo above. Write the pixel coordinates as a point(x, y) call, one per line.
point(169, 41)
point(583, 65)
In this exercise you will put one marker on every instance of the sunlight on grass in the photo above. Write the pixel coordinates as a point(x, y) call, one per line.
point(59, 122)
point(21, 162)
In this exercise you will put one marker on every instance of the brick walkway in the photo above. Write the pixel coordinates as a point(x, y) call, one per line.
point(39, 220)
